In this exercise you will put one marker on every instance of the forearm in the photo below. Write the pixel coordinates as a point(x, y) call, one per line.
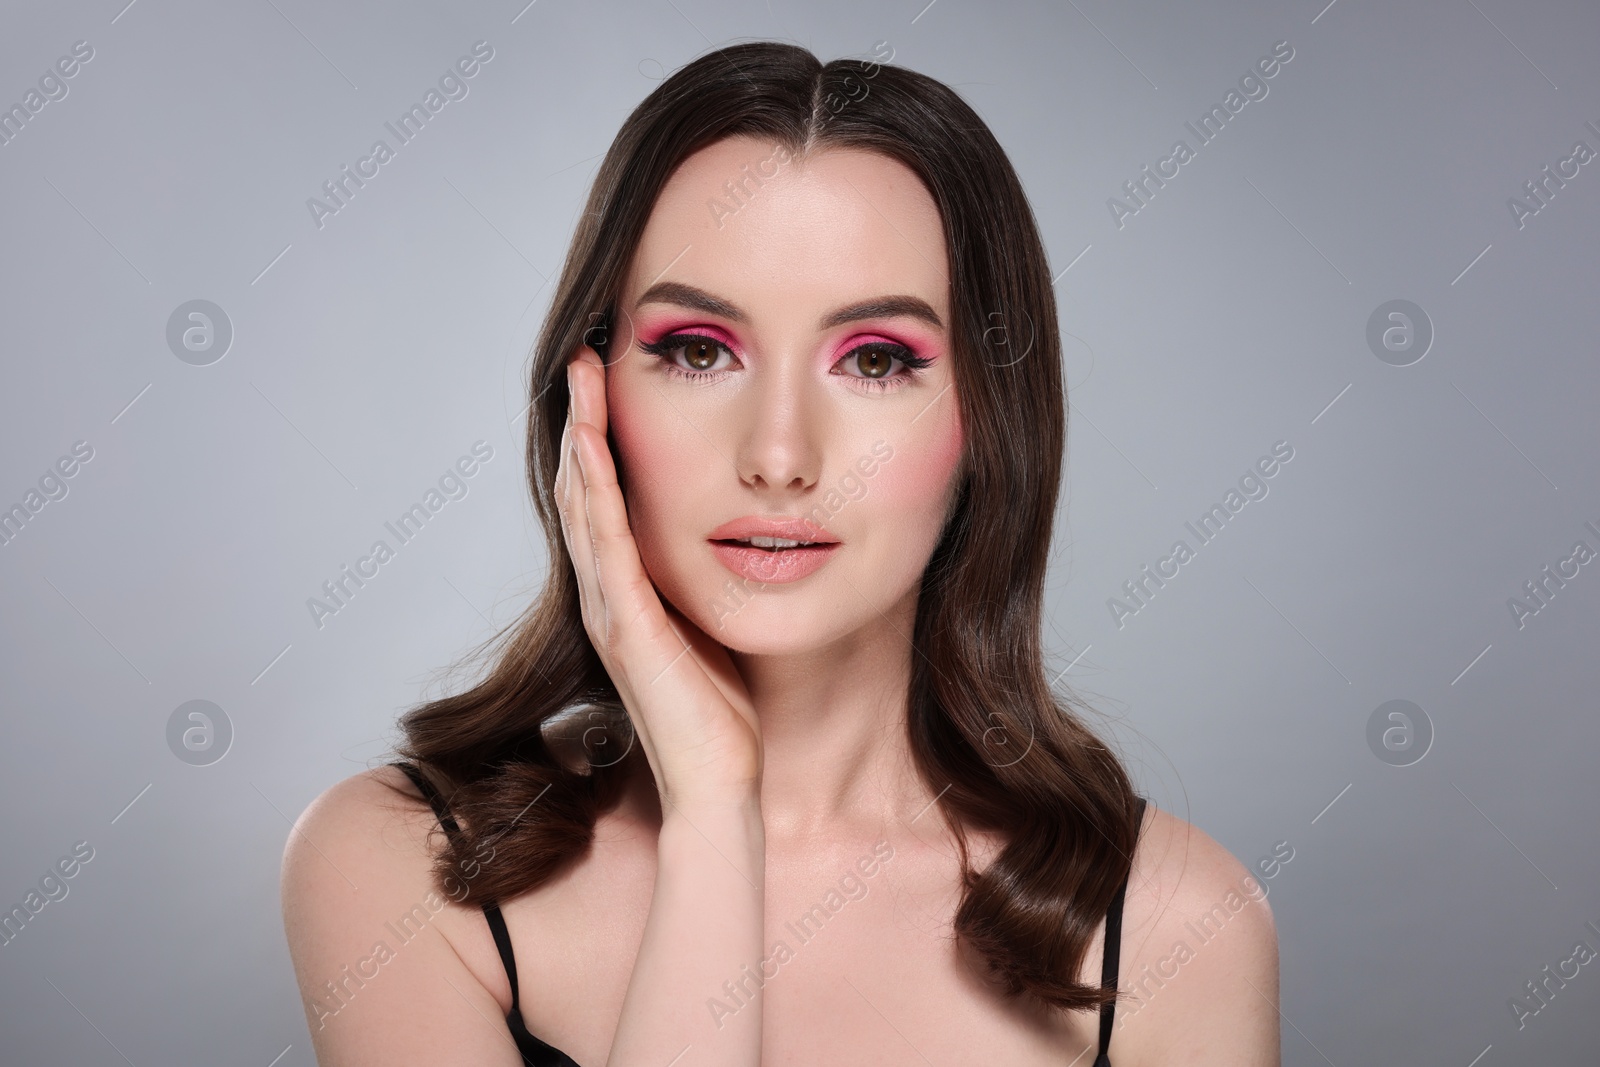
point(704, 930)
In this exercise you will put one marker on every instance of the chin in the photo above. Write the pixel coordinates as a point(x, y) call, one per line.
point(755, 621)
point(758, 640)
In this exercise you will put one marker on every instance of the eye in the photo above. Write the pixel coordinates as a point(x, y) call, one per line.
point(871, 364)
point(700, 352)
point(875, 361)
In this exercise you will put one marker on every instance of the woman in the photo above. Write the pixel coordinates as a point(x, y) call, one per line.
point(772, 771)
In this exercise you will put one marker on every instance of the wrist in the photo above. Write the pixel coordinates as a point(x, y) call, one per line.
point(721, 811)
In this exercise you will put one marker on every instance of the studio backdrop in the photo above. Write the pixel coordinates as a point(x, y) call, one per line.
point(1325, 567)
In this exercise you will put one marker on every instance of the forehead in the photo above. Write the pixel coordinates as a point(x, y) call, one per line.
point(793, 238)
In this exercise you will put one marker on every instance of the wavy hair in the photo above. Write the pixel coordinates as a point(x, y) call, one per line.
point(1005, 752)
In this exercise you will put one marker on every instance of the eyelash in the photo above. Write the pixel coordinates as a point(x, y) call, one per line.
point(663, 349)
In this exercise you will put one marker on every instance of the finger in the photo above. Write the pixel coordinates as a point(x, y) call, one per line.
point(713, 659)
point(587, 376)
point(575, 414)
point(564, 468)
point(582, 546)
point(586, 384)
point(565, 461)
point(636, 625)
point(575, 530)
point(569, 505)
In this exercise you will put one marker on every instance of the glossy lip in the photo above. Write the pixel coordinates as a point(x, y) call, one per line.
point(765, 566)
point(788, 529)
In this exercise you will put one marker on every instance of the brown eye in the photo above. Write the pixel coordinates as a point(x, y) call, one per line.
point(874, 361)
point(701, 355)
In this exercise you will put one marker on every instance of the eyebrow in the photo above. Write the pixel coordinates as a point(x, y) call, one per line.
point(877, 308)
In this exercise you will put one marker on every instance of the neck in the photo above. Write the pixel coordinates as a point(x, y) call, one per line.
point(835, 755)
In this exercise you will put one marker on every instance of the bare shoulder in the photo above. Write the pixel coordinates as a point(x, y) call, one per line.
point(370, 934)
point(1199, 962)
point(354, 813)
point(374, 823)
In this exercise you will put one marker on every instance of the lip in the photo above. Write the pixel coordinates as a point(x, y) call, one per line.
point(756, 526)
point(767, 566)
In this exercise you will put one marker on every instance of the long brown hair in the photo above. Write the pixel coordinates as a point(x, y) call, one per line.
point(1005, 753)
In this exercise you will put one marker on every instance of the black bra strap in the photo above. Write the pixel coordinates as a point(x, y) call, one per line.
point(491, 911)
point(1111, 959)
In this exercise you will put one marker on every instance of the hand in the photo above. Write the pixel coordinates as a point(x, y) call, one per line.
point(688, 704)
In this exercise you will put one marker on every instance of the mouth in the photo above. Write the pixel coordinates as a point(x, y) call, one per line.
point(772, 549)
point(772, 560)
point(769, 544)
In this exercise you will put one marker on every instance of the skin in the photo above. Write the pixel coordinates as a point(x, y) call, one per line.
point(815, 671)
point(825, 660)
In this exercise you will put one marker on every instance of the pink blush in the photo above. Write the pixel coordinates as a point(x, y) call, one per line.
point(917, 477)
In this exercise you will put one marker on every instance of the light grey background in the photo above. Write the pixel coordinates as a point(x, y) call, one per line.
point(1229, 313)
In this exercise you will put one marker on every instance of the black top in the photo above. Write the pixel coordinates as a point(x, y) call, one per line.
point(536, 1053)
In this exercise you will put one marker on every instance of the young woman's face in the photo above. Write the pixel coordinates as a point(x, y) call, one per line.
point(813, 299)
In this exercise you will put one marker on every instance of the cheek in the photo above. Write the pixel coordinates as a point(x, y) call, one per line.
point(909, 499)
point(662, 465)
point(917, 483)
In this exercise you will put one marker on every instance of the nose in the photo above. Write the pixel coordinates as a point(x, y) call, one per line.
point(781, 427)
